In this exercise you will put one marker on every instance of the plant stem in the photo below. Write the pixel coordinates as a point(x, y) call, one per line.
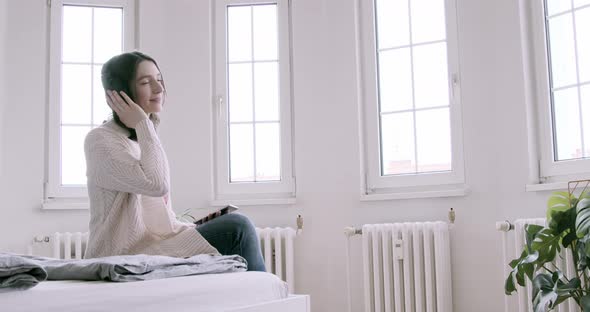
point(585, 278)
point(547, 269)
point(575, 258)
point(581, 290)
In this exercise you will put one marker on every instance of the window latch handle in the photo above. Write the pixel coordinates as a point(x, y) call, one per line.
point(454, 82)
point(219, 107)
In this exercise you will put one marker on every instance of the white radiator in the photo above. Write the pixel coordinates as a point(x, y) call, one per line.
point(513, 242)
point(277, 250)
point(407, 267)
point(276, 245)
point(65, 245)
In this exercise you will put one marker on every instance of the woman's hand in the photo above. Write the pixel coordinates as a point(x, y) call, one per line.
point(128, 111)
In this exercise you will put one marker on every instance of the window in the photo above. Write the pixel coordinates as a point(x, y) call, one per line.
point(560, 54)
point(84, 35)
point(410, 95)
point(253, 95)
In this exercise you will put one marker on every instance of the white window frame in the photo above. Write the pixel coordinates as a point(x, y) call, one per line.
point(53, 187)
point(438, 184)
point(264, 192)
point(543, 168)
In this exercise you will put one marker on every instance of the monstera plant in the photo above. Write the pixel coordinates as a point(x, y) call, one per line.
point(568, 226)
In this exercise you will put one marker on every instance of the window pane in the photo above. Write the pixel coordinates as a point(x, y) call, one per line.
point(76, 95)
point(241, 153)
point(77, 34)
point(108, 33)
point(266, 88)
point(240, 92)
point(557, 6)
point(239, 33)
point(397, 144)
point(431, 75)
point(393, 23)
point(585, 96)
point(395, 80)
point(73, 161)
point(579, 3)
point(268, 152)
point(567, 124)
point(563, 62)
point(102, 110)
point(583, 42)
point(433, 139)
point(428, 20)
point(265, 32)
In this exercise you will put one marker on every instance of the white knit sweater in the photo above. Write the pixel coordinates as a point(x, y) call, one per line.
point(128, 187)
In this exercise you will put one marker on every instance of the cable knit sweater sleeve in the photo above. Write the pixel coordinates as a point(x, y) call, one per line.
point(111, 165)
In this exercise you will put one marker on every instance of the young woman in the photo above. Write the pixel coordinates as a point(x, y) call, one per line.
point(129, 182)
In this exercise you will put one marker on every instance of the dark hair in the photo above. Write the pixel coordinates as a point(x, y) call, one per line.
point(118, 74)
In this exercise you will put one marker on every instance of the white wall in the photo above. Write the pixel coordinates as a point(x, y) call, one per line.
point(23, 125)
point(177, 34)
point(3, 25)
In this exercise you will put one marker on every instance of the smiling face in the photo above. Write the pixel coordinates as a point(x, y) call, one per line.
point(148, 87)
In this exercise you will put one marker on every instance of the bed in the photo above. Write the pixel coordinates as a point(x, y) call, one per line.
point(236, 292)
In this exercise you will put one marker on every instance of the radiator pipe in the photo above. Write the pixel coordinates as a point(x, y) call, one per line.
point(347, 251)
point(504, 227)
point(352, 231)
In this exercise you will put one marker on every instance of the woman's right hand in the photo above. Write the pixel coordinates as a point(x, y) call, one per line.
point(128, 111)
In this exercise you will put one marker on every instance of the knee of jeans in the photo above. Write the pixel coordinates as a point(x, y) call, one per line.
point(241, 222)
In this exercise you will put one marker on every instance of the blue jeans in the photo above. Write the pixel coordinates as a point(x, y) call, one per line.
point(233, 234)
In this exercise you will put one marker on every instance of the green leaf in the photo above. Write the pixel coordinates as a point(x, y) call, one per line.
point(528, 269)
point(559, 201)
point(530, 258)
point(583, 217)
point(547, 245)
point(516, 268)
point(573, 285)
point(541, 281)
point(509, 286)
point(581, 252)
point(568, 239)
point(565, 291)
point(520, 277)
point(524, 266)
point(558, 198)
point(550, 290)
point(515, 262)
point(586, 249)
point(543, 293)
point(585, 303)
point(531, 231)
point(563, 221)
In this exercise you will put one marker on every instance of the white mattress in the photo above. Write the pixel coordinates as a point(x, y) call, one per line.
point(210, 292)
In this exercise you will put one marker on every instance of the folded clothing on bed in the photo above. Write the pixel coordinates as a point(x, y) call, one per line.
point(22, 272)
point(19, 273)
point(138, 267)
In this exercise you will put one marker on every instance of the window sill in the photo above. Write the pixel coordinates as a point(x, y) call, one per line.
point(459, 191)
point(253, 202)
point(65, 204)
point(540, 187)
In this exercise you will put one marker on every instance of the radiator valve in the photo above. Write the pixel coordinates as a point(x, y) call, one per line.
point(299, 223)
point(41, 239)
point(452, 216)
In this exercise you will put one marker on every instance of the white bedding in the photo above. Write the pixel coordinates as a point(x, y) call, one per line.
point(210, 292)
